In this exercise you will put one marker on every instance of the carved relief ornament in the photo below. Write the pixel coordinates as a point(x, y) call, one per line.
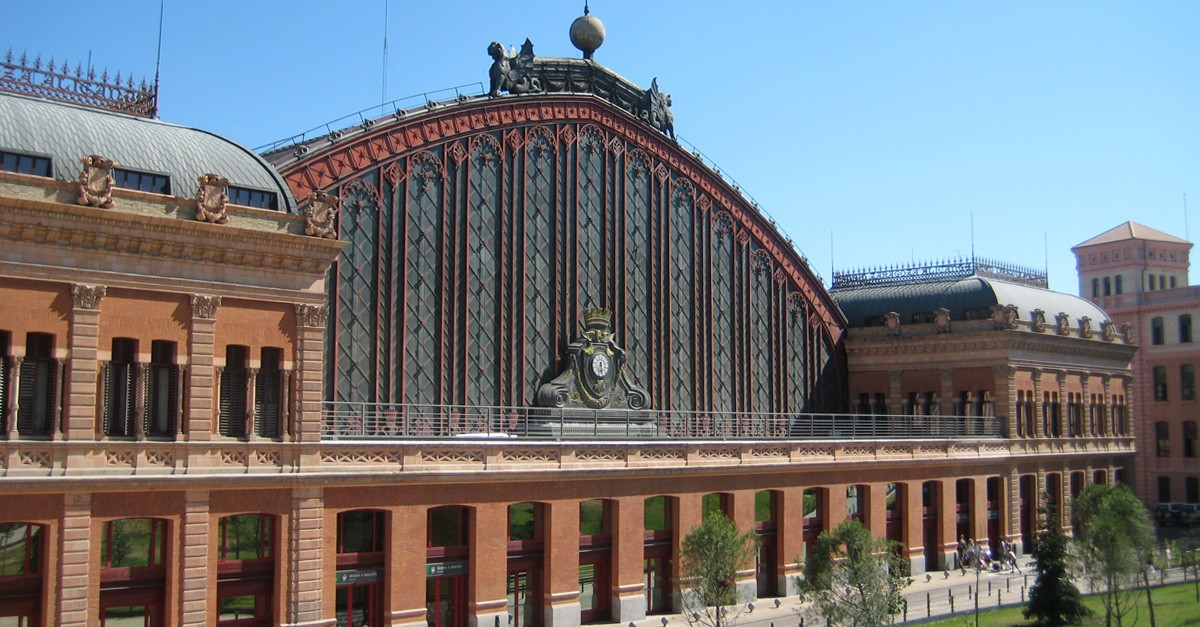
point(205, 306)
point(942, 318)
point(212, 198)
point(311, 315)
point(88, 296)
point(891, 320)
point(1039, 320)
point(319, 216)
point(1085, 327)
point(96, 182)
point(1062, 323)
point(1127, 332)
point(1108, 331)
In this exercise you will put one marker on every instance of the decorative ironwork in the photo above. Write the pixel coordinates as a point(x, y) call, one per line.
point(949, 270)
point(56, 81)
point(419, 421)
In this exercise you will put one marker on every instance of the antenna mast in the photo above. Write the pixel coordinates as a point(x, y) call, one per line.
point(383, 100)
point(158, 56)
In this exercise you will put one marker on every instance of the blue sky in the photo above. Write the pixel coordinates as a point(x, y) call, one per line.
point(873, 132)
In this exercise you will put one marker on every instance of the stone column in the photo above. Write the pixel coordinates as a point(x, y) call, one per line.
point(1039, 408)
point(198, 417)
point(78, 590)
point(251, 390)
point(406, 560)
point(1004, 401)
point(789, 537)
point(306, 606)
point(948, 396)
point(82, 343)
point(1012, 511)
point(628, 557)
point(912, 533)
point(309, 348)
point(1110, 429)
point(1089, 429)
point(896, 393)
point(14, 393)
point(198, 602)
point(1061, 377)
point(487, 598)
point(560, 541)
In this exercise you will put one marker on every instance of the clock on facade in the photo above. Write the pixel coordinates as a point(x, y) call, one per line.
point(600, 364)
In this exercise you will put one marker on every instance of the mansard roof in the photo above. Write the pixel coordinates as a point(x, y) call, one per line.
point(66, 133)
point(966, 298)
point(1131, 230)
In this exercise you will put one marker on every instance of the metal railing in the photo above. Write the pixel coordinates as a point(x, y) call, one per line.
point(399, 421)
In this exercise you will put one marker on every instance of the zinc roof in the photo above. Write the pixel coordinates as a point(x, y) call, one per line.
point(67, 133)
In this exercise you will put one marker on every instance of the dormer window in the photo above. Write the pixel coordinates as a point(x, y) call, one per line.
point(253, 198)
point(24, 164)
point(142, 181)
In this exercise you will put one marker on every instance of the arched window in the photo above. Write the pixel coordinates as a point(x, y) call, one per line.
point(245, 569)
point(133, 571)
point(21, 565)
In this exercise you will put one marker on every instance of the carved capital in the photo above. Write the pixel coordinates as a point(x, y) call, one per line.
point(212, 198)
point(311, 315)
point(319, 215)
point(88, 296)
point(205, 306)
point(96, 182)
point(1004, 371)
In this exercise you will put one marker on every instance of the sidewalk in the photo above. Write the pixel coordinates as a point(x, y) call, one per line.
point(935, 596)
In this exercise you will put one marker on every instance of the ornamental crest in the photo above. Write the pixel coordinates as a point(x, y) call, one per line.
point(96, 182)
point(212, 198)
point(512, 72)
point(1108, 331)
point(1085, 327)
point(319, 215)
point(1063, 323)
point(1039, 320)
point(595, 374)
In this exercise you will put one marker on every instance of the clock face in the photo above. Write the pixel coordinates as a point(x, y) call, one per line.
point(600, 364)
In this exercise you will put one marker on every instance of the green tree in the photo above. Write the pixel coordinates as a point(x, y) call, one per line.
point(1116, 541)
point(711, 555)
point(853, 577)
point(1053, 598)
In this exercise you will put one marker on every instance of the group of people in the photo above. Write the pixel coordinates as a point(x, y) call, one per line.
point(975, 554)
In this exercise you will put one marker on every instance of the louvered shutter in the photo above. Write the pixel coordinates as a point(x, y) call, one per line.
point(266, 403)
point(26, 399)
point(106, 398)
point(232, 422)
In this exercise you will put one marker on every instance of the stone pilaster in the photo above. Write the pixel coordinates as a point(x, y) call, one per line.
point(789, 536)
point(309, 348)
point(406, 564)
point(1004, 402)
point(947, 516)
point(1089, 429)
point(487, 600)
point(77, 589)
point(82, 343)
point(912, 530)
point(198, 418)
point(305, 541)
point(1013, 507)
point(896, 393)
point(1039, 406)
point(14, 393)
point(948, 395)
point(979, 513)
point(195, 561)
point(743, 516)
point(1061, 378)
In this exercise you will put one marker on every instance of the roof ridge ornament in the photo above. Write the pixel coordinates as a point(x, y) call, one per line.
point(57, 82)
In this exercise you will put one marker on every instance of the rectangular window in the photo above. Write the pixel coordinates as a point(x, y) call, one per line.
point(253, 198)
point(1172, 282)
point(1150, 283)
point(1156, 331)
point(1095, 288)
point(142, 181)
point(1185, 328)
point(268, 387)
point(1189, 438)
point(1162, 437)
point(1107, 286)
point(1164, 489)
point(120, 389)
point(1160, 383)
point(1120, 289)
point(232, 421)
point(37, 400)
point(1162, 282)
point(24, 164)
point(1192, 489)
point(162, 391)
point(1187, 382)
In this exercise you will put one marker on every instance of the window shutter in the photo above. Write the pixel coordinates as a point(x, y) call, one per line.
point(266, 401)
point(25, 399)
point(51, 397)
point(3, 394)
point(106, 398)
point(232, 422)
point(173, 400)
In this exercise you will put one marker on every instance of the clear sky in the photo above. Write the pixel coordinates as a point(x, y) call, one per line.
point(874, 132)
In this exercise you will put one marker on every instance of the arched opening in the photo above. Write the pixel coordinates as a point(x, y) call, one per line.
point(929, 524)
point(525, 555)
point(964, 517)
point(595, 561)
point(657, 564)
point(816, 502)
point(1028, 499)
point(1100, 477)
point(246, 570)
point(716, 502)
point(995, 498)
point(133, 571)
point(359, 577)
point(447, 568)
point(856, 503)
point(766, 507)
point(22, 557)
